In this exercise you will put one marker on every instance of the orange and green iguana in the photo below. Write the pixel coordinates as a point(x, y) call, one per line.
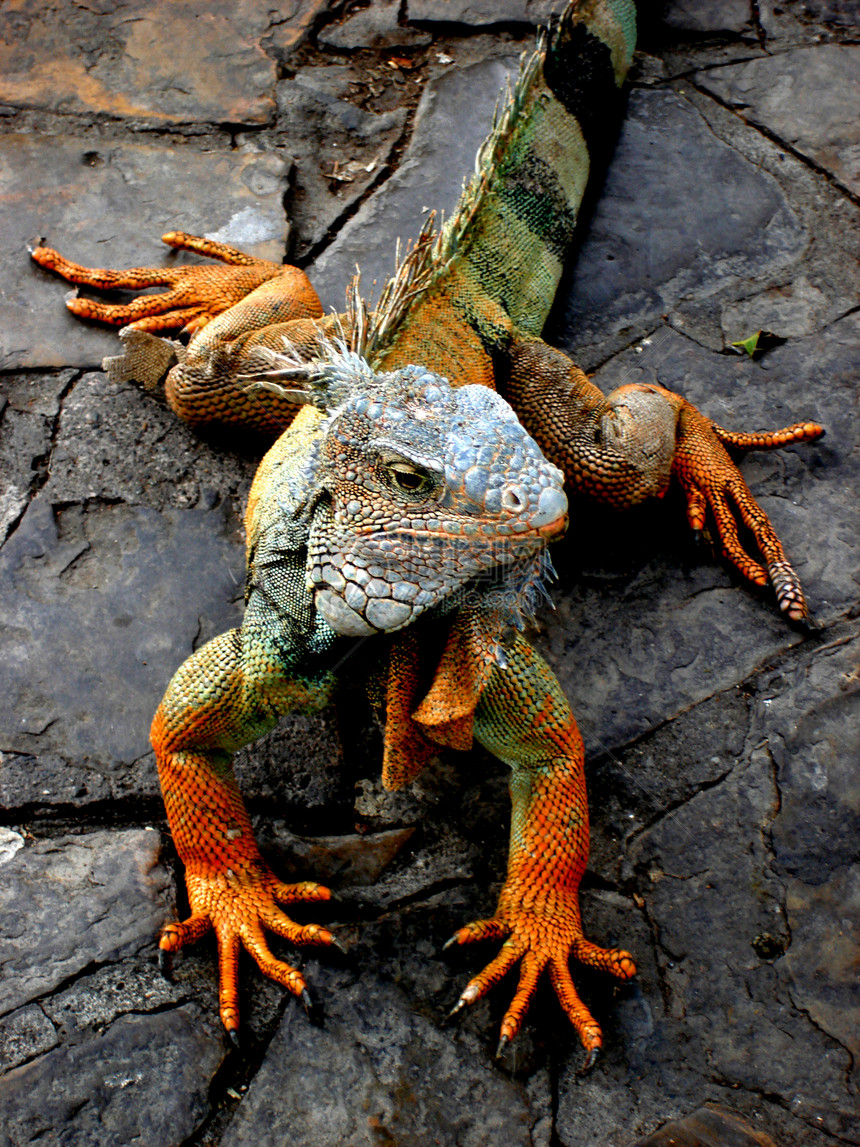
point(410, 500)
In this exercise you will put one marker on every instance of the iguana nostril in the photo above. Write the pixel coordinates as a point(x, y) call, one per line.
point(514, 499)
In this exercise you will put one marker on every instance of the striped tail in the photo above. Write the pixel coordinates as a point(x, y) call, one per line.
point(515, 220)
point(497, 261)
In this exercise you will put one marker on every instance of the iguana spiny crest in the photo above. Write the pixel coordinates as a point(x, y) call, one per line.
point(416, 490)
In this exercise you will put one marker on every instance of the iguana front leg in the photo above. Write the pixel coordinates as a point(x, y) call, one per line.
point(196, 294)
point(524, 719)
point(627, 446)
point(228, 693)
point(229, 311)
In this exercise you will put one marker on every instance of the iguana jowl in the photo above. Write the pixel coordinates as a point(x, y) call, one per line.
point(406, 503)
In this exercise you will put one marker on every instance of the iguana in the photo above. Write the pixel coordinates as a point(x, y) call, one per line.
point(410, 501)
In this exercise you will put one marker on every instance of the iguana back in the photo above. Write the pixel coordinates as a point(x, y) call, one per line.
point(497, 263)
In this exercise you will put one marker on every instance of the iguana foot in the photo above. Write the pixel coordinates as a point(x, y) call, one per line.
point(238, 905)
point(540, 940)
point(196, 294)
point(711, 481)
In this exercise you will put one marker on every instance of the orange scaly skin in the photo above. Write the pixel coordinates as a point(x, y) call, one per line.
point(204, 716)
point(408, 492)
point(524, 719)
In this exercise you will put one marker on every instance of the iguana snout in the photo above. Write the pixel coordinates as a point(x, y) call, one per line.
point(431, 491)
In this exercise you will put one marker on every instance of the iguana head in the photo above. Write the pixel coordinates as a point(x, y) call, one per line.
point(418, 492)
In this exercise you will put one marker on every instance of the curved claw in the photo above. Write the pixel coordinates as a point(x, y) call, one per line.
point(233, 1036)
point(541, 943)
point(590, 1060)
point(165, 963)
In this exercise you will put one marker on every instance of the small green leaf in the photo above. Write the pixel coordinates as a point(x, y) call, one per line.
point(759, 343)
point(749, 344)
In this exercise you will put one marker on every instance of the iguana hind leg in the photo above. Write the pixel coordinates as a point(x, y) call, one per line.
point(627, 446)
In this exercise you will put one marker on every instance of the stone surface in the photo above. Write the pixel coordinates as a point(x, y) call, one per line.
point(716, 16)
point(373, 27)
point(450, 124)
point(165, 62)
point(145, 1080)
point(792, 95)
point(376, 1072)
point(723, 219)
point(109, 202)
point(77, 900)
point(481, 12)
point(93, 684)
point(340, 149)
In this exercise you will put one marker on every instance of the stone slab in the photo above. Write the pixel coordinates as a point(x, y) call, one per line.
point(76, 900)
point(162, 63)
point(450, 124)
point(722, 219)
point(145, 1080)
point(792, 95)
point(340, 149)
point(717, 16)
point(376, 1071)
point(90, 638)
point(479, 13)
point(109, 202)
point(376, 27)
point(746, 871)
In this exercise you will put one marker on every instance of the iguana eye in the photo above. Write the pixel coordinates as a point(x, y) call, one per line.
point(408, 478)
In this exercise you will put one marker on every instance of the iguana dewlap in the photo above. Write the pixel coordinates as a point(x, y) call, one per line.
point(408, 505)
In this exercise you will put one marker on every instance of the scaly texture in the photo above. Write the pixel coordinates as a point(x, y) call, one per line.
point(410, 502)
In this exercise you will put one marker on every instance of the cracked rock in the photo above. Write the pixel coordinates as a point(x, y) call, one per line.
point(340, 150)
point(145, 1080)
point(109, 202)
point(450, 124)
point(77, 900)
point(159, 62)
point(393, 1078)
point(722, 219)
point(793, 96)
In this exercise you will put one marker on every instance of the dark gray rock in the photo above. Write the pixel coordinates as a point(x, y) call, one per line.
point(93, 1002)
point(376, 1072)
point(144, 1080)
point(793, 96)
point(28, 412)
point(77, 900)
point(722, 219)
point(482, 12)
point(340, 150)
point(719, 16)
point(108, 202)
point(373, 27)
point(450, 124)
point(807, 713)
point(24, 1034)
point(807, 21)
point(115, 444)
point(84, 666)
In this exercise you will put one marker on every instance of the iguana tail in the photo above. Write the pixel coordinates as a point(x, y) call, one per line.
point(505, 245)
